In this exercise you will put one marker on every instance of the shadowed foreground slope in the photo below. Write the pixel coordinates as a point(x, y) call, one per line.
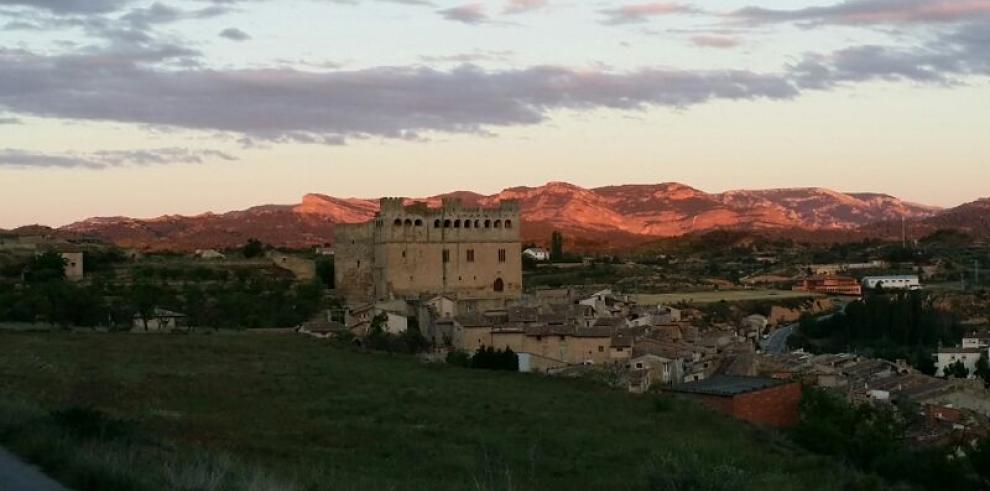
point(286, 412)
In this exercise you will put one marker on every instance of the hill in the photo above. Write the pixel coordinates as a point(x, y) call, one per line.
point(973, 218)
point(613, 217)
point(177, 412)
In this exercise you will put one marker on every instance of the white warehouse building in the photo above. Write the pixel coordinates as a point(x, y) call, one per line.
point(901, 282)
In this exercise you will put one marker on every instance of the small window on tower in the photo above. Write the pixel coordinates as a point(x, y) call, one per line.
point(470, 255)
point(501, 255)
point(446, 255)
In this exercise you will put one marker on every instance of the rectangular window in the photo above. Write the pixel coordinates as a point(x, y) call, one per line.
point(446, 255)
point(601, 349)
point(470, 255)
point(501, 255)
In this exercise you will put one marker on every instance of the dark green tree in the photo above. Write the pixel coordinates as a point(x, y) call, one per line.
point(556, 246)
point(956, 370)
point(49, 266)
point(983, 369)
point(253, 248)
point(979, 459)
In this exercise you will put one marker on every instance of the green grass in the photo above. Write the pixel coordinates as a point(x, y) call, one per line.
point(717, 296)
point(273, 412)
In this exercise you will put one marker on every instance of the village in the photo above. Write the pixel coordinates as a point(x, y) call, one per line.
point(449, 285)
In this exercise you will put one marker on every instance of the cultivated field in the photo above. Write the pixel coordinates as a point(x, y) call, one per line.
point(718, 296)
point(273, 412)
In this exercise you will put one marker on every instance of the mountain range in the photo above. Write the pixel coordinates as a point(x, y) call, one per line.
point(611, 217)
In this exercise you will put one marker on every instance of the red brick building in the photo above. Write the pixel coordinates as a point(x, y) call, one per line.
point(830, 285)
point(763, 401)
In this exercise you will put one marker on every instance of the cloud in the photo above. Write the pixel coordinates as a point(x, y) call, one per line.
point(721, 42)
point(629, 14)
point(390, 102)
point(872, 12)
point(523, 6)
point(159, 13)
point(476, 56)
point(472, 13)
point(10, 121)
point(958, 53)
point(69, 6)
point(17, 158)
point(234, 34)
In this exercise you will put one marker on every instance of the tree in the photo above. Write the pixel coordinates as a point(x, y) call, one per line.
point(144, 298)
point(253, 248)
point(983, 369)
point(979, 458)
point(49, 266)
point(556, 246)
point(957, 370)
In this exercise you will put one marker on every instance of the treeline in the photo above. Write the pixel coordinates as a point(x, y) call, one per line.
point(895, 326)
point(248, 300)
point(874, 440)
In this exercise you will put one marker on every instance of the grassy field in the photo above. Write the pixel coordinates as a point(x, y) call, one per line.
point(718, 296)
point(274, 412)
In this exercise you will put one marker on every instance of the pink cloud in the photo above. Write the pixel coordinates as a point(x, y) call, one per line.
point(873, 12)
point(472, 13)
point(721, 42)
point(641, 12)
point(522, 6)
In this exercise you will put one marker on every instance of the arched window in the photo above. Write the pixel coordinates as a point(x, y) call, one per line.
point(457, 224)
point(446, 224)
point(419, 223)
point(508, 224)
point(499, 285)
point(436, 223)
point(488, 224)
point(477, 224)
point(498, 223)
point(408, 222)
point(397, 222)
point(467, 223)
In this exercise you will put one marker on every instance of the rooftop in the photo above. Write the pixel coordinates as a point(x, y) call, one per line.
point(727, 385)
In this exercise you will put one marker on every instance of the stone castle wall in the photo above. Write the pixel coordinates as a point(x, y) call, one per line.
point(473, 254)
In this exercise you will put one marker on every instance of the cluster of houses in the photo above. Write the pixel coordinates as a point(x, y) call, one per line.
point(553, 331)
point(941, 410)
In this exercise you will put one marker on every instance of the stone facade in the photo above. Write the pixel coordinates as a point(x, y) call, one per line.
point(472, 255)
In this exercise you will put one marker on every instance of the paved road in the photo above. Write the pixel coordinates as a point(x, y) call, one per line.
point(15, 475)
point(777, 342)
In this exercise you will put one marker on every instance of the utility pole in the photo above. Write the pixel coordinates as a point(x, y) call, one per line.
point(903, 231)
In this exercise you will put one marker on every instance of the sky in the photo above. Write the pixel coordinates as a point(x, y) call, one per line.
point(145, 108)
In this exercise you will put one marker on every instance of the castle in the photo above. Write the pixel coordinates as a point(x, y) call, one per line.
point(470, 255)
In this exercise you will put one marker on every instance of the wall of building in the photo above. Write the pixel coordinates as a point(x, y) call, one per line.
point(73, 265)
point(775, 406)
point(354, 262)
point(472, 254)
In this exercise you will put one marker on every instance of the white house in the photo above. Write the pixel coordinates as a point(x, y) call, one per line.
point(444, 306)
point(949, 356)
point(537, 253)
point(209, 254)
point(159, 320)
point(976, 340)
point(904, 282)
